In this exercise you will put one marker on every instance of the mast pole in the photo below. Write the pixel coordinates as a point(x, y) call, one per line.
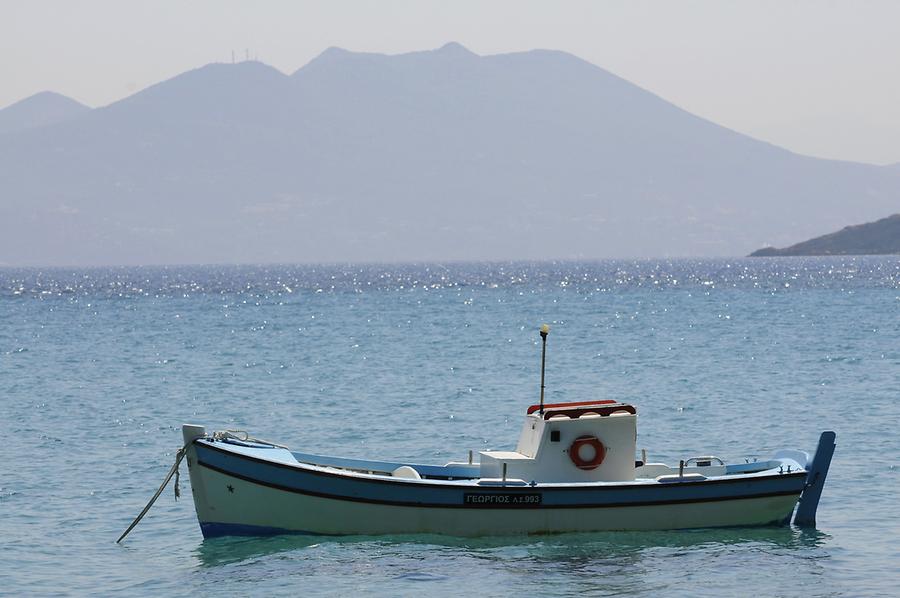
point(545, 330)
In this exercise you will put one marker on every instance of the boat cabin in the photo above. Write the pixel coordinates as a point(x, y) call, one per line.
point(591, 441)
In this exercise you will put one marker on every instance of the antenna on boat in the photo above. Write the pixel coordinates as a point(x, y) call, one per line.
point(545, 330)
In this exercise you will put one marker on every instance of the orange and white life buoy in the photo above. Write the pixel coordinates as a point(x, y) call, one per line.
point(587, 452)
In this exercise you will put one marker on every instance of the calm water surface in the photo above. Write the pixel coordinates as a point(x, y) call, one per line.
point(99, 368)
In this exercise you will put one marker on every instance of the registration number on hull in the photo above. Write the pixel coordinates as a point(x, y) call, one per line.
point(501, 499)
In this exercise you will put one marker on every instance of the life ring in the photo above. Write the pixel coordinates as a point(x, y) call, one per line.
point(583, 442)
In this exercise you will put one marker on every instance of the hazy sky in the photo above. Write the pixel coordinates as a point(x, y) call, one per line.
point(821, 78)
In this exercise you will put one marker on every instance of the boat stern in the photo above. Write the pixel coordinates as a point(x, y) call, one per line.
point(815, 480)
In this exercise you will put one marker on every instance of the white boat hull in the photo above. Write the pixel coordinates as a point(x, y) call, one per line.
point(308, 500)
point(254, 509)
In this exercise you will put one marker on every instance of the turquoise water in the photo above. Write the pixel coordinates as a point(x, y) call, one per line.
point(99, 368)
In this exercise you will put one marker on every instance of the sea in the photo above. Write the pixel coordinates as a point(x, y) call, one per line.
point(733, 357)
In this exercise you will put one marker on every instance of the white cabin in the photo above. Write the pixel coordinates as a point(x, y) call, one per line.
point(592, 441)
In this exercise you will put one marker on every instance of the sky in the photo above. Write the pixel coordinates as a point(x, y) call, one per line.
point(817, 77)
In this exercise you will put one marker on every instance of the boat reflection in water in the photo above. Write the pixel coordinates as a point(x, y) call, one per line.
point(573, 549)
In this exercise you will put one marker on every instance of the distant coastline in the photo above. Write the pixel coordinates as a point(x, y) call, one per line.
point(881, 237)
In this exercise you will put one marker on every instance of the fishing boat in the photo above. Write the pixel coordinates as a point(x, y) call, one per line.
point(575, 468)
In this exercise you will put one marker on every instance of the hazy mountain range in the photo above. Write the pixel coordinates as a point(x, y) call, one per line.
point(436, 155)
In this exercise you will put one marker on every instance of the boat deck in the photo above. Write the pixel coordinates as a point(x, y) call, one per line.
point(453, 471)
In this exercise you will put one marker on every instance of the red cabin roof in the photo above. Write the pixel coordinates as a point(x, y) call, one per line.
point(534, 408)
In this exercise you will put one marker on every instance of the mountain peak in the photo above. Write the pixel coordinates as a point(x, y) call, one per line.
point(208, 84)
point(337, 56)
point(47, 98)
point(333, 52)
point(42, 108)
point(334, 56)
point(455, 49)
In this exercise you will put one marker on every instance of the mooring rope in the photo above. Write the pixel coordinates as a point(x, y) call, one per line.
point(243, 436)
point(172, 472)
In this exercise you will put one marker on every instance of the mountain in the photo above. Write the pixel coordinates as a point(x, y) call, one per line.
point(44, 108)
point(872, 238)
point(427, 156)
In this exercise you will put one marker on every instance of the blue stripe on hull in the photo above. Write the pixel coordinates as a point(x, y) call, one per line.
point(211, 529)
point(425, 494)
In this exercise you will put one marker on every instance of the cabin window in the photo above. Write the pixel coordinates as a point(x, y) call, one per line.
point(554, 435)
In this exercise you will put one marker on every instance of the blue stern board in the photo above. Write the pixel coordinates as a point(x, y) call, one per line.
point(815, 481)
